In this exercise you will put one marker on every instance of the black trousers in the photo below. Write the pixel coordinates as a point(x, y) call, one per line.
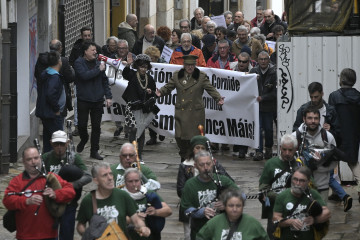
point(95, 109)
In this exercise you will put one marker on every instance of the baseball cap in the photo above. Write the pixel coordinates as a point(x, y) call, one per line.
point(59, 136)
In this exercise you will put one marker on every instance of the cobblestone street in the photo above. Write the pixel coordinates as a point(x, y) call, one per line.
point(164, 160)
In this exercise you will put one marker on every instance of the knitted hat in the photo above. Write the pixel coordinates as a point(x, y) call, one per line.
point(198, 140)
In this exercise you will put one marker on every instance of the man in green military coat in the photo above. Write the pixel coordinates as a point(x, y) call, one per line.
point(190, 84)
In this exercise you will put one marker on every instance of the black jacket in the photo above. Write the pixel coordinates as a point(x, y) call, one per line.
point(347, 104)
point(267, 28)
point(133, 91)
point(158, 42)
point(267, 88)
point(330, 118)
point(67, 75)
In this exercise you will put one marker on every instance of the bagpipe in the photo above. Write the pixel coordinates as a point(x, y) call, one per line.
point(155, 223)
point(312, 156)
point(56, 209)
point(69, 171)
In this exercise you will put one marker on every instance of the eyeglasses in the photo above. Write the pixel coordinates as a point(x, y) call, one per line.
point(298, 180)
point(240, 61)
point(56, 144)
point(131, 155)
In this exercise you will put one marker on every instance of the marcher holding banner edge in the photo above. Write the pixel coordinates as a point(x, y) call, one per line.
point(190, 84)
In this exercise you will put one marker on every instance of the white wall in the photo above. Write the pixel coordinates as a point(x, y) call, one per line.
point(23, 68)
point(100, 19)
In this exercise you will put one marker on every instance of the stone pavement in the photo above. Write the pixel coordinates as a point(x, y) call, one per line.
point(164, 160)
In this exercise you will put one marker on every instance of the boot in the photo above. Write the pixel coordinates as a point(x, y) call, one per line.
point(268, 153)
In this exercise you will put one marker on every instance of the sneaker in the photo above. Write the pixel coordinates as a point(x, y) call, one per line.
point(152, 141)
point(334, 197)
point(118, 131)
point(347, 202)
point(96, 155)
point(268, 153)
point(258, 156)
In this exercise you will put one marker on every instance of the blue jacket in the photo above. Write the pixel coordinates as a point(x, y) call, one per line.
point(51, 94)
point(91, 84)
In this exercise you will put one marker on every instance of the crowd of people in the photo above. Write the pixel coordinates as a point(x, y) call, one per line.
point(294, 186)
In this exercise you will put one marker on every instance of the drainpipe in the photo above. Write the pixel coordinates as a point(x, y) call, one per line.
point(13, 93)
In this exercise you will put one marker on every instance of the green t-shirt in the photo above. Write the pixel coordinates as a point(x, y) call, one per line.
point(141, 204)
point(116, 207)
point(272, 167)
point(119, 174)
point(284, 202)
point(53, 163)
point(200, 194)
point(218, 228)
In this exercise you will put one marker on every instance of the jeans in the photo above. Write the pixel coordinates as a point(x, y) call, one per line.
point(335, 186)
point(67, 223)
point(266, 123)
point(51, 125)
point(95, 109)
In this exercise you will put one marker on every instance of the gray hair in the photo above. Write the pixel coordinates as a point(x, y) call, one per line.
point(97, 166)
point(132, 170)
point(259, 8)
point(201, 10)
point(230, 193)
point(255, 31)
point(242, 28)
point(224, 41)
point(123, 41)
point(211, 22)
point(112, 38)
point(227, 13)
point(304, 170)
point(263, 52)
point(260, 37)
point(185, 20)
point(185, 35)
point(127, 145)
point(200, 154)
point(55, 46)
point(289, 139)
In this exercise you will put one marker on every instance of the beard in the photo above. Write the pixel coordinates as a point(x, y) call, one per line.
point(296, 189)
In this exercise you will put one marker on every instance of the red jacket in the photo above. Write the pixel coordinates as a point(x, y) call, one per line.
point(29, 226)
point(253, 22)
point(176, 57)
point(213, 62)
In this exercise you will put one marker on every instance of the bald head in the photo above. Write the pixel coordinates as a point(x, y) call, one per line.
point(149, 32)
point(132, 20)
point(55, 45)
point(269, 16)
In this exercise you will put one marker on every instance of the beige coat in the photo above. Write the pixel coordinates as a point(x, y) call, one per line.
point(189, 107)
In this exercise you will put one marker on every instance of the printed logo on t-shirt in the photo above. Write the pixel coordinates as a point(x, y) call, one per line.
point(55, 168)
point(205, 197)
point(281, 181)
point(110, 213)
point(119, 180)
point(236, 235)
point(300, 214)
point(141, 207)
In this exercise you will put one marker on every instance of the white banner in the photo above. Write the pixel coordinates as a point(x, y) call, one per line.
point(236, 122)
